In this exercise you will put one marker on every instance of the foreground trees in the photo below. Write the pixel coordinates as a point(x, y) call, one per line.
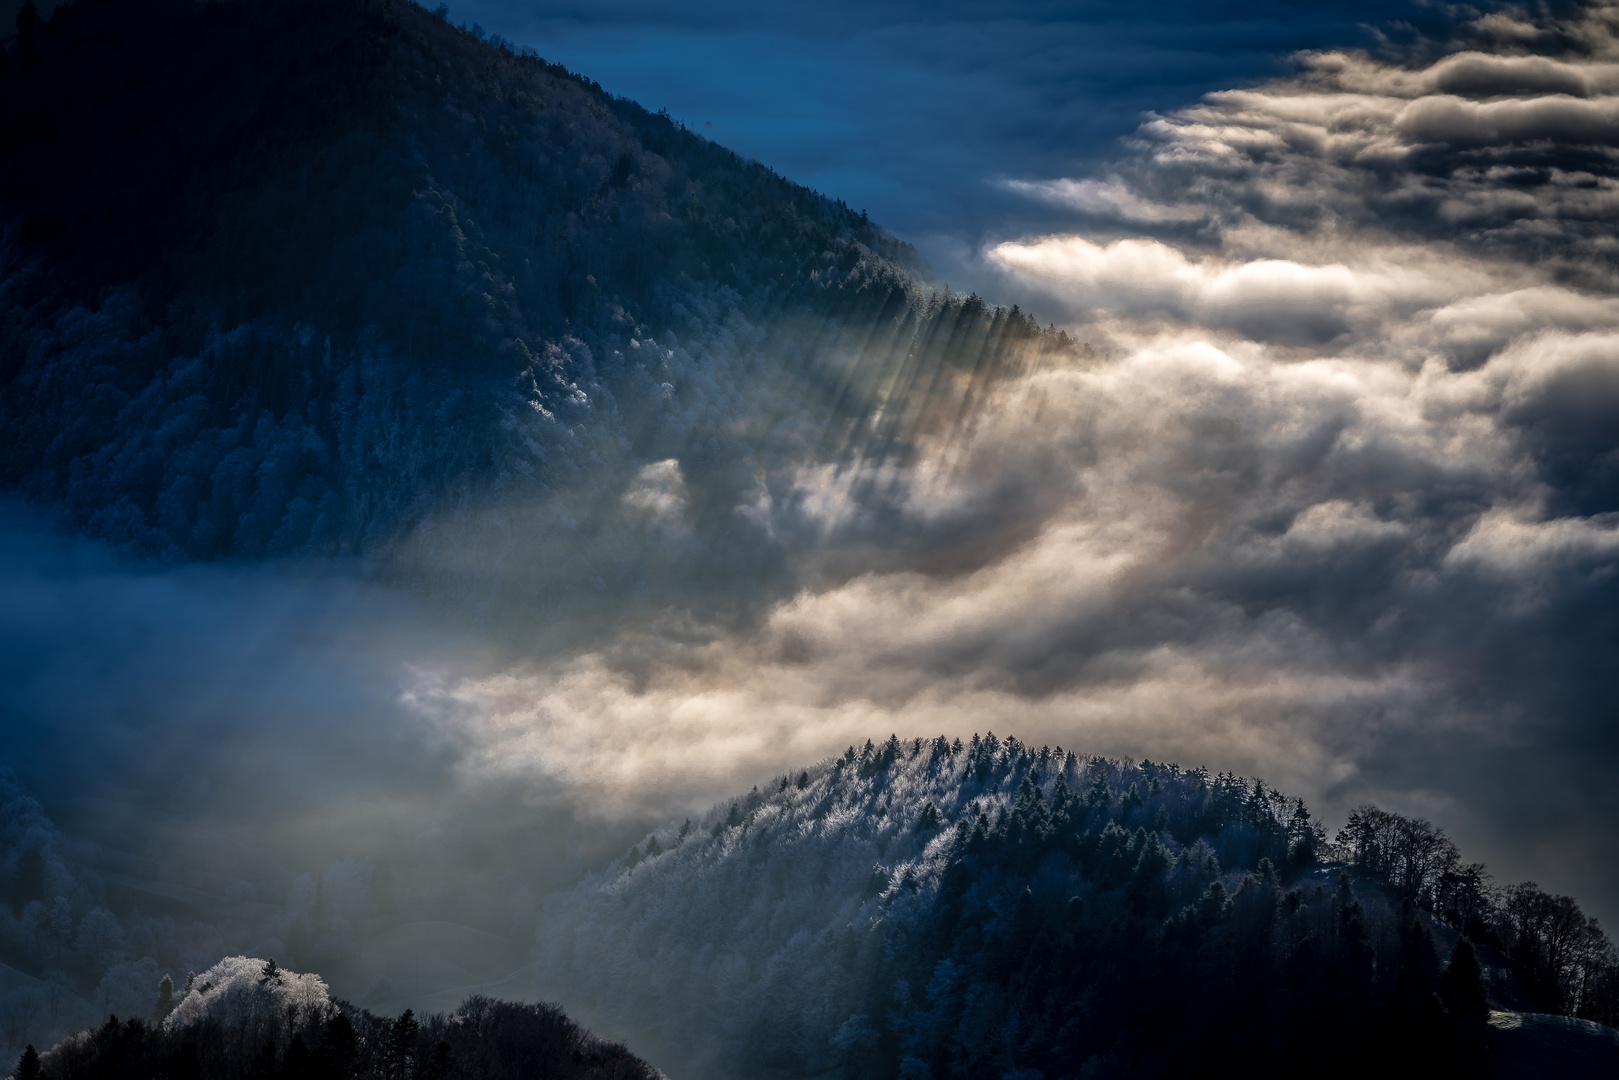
point(992, 909)
point(482, 1040)
point(1565, 959)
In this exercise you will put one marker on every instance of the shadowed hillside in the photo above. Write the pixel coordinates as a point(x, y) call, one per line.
point(995, 909)
point(303, 277)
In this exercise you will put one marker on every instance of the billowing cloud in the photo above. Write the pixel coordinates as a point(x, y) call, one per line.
point(1329, 498)
point(1332, 497)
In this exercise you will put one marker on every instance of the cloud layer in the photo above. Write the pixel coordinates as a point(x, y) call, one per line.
point(1332, 498)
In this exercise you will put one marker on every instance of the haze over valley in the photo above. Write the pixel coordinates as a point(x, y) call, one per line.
point(432, 476)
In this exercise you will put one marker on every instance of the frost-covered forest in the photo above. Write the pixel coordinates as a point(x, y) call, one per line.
point(364, 282)
point(247, 1017)
point(911, 909)
point(305, 279)
point(933, 909)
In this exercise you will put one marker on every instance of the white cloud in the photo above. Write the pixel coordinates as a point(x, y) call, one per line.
point(659, 492)
point(1265, 298)
point(1330, 492)
point(1104, 198)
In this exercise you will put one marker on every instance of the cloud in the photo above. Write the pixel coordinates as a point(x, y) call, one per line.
point(1525, 553)
point(1103, 198)
point(1476, 74)
point(1264, 299)
point(1557, 119)
point(659, 492)
point(211, 733)
point(1332, 498)
point(915, 111)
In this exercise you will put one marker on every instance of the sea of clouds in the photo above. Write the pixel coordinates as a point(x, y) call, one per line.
point(1332, 499)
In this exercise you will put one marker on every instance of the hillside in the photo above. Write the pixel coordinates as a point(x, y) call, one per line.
point(938, 910)
point(341, 278)
point(915, 909)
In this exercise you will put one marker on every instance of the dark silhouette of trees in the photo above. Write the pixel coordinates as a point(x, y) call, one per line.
point(1412, 854)
point(29, 26)
point(1564, 957)
point(482, 1040)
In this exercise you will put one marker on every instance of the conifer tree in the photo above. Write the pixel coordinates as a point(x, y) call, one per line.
point(28, 26)
point(339, 1047)
point(296, 1063)
point(1461, 986)
point(165, 999)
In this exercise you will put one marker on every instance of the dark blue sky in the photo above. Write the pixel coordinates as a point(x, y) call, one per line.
point(913, 110)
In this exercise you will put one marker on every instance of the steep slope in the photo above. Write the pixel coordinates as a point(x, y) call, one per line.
point(287, 277)
point(934, 910)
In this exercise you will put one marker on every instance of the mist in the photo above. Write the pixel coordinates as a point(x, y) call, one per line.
point(1327, 499)
point(1320, 487)
point(226, 761)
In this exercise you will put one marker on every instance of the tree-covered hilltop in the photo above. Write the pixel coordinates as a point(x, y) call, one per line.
point(247, 1018)
point(290, 276)
point(924, 909)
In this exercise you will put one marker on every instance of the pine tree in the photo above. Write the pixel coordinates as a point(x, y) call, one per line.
point(296, 1063)
point(928, 818)
point(339, 1046)
point(28, 25)
point(165, 1000)
point(28, 1064)
point(438, 1066)
point(402, 1046)
point(1461, 990)
point(1461, 986)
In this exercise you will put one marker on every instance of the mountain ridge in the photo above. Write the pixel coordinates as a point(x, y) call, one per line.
point(934, 909)
point(432, 276)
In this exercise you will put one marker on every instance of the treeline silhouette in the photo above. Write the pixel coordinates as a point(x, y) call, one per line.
point(484, 1039)
point(994, 909)
point(286, 276)
point(1564, 958)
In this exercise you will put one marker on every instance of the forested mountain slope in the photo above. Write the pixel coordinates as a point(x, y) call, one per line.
point(283, 276)
point(999, 910)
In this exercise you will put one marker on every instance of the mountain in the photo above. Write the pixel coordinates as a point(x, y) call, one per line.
point(923, 909)
point(289, 277)
point(911, 909)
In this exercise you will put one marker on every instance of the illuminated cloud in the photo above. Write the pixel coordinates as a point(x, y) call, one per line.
point(1331, 500)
